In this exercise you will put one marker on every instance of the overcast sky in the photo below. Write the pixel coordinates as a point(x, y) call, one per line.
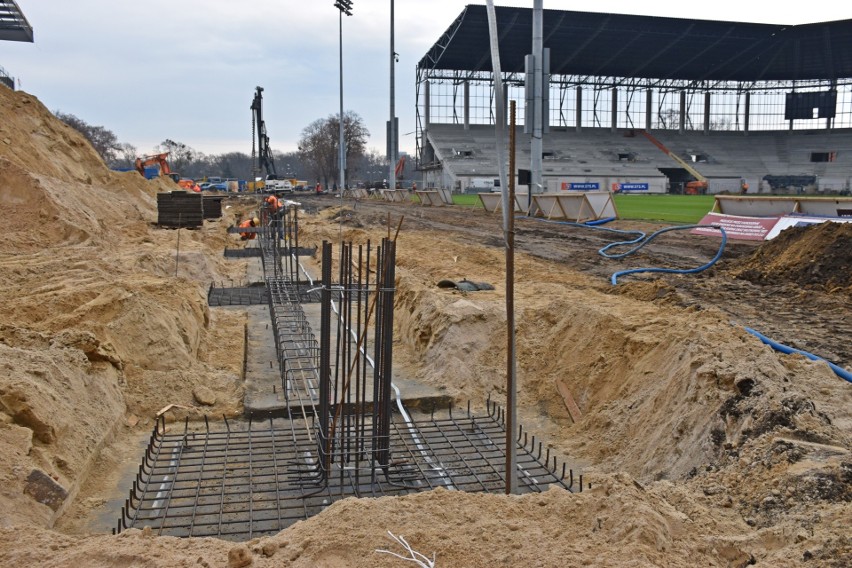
point(187, 69)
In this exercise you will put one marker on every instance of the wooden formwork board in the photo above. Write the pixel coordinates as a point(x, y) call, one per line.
point(493, 202)
point(430, 198)
point(578, 207)
point(395, 195)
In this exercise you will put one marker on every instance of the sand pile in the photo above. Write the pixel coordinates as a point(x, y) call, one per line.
point(818, 255)
point(94, 326)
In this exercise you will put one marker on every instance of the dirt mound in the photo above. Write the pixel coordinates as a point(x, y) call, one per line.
point(618, 522)
point(101, 315)
point(818, 255)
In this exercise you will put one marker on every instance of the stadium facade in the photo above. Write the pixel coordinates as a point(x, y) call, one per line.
point(765, 105)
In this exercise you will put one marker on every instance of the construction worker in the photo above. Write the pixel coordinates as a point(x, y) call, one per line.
point(277, 208)
point(274, 204)
point(253, 222)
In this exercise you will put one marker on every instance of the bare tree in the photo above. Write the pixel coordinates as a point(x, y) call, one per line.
point(126, 158)
point(318, 146)
point(181, 156)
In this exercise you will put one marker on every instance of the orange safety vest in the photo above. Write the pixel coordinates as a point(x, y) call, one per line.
point(244, 225)
point(274, 203)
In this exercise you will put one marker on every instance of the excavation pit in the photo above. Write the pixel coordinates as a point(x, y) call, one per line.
point(239, 480)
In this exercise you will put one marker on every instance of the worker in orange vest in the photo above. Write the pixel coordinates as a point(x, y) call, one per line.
point(253, 222)
point(274, 204)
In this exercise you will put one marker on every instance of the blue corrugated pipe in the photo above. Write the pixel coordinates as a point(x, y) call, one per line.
point(839, 371)
point(640, 240)
point(614, 277)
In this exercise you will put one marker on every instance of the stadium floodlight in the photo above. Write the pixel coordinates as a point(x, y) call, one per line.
point(345, 7)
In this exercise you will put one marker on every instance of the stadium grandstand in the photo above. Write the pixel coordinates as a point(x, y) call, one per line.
point(13, 27)
point(645, 103)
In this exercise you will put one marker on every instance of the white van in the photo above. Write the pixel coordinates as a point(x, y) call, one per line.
point(484, 184)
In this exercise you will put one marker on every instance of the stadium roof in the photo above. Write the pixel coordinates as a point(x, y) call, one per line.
point(13, 25)
point(618, 45)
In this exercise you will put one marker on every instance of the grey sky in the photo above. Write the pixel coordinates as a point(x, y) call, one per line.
point(187, 69)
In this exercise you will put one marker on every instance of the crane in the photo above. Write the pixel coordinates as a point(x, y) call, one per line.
point(700, 183)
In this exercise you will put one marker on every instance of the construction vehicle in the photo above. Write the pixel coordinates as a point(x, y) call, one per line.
point(157, 165)
point(189, 185)
point(699, 185)
point(263, 153)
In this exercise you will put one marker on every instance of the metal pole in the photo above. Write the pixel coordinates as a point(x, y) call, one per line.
point(392, 142)
point(342, 162)
point(536, 185)
point(511, 359)
point(508, 213)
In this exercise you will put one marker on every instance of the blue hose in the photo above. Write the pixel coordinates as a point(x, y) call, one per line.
point(839, 371)
point(614, 277)
point(599, 221)
point(640, 240)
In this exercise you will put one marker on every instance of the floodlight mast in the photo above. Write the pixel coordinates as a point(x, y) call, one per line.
point(393, 143)
point(345, 7)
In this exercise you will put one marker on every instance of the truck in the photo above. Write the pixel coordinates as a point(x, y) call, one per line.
point(479, 185)
point(274, 185)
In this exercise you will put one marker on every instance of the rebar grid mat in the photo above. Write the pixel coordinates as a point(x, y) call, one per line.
point(244, 296)
point(256, 295)
point(242, 480)
point(255, 252)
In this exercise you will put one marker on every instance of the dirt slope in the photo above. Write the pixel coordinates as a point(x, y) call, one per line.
point(93, 324)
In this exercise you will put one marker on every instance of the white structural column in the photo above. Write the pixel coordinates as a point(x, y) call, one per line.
point(536, 144)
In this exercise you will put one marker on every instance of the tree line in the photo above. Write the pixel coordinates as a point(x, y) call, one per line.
point(316, 160)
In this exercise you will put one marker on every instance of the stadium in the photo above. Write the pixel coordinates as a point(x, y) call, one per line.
point(760, 106)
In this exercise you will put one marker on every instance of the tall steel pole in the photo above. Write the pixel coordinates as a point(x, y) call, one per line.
point(508, 229)
point(342, 148)
point(345, 6)
point(392, 142)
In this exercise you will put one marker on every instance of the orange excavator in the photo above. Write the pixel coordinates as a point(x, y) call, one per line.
point(162, 163)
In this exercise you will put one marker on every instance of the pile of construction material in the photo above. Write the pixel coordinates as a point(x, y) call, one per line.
point(180, 210)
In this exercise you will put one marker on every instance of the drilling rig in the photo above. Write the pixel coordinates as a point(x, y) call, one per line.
point(261, 158)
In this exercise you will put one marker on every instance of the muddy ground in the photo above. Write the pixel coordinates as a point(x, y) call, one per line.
point(702, 445)
point(790, 301)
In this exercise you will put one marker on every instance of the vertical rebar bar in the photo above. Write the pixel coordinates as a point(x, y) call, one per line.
point(325, 359)
point(511, 453)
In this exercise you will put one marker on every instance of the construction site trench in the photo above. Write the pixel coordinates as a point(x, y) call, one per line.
point(697, 443)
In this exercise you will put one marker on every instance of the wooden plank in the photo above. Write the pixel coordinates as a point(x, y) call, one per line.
point(572, 407)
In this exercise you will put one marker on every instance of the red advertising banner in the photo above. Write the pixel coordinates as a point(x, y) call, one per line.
point(737, 227)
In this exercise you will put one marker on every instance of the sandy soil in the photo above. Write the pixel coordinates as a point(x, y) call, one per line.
point(703, 446)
